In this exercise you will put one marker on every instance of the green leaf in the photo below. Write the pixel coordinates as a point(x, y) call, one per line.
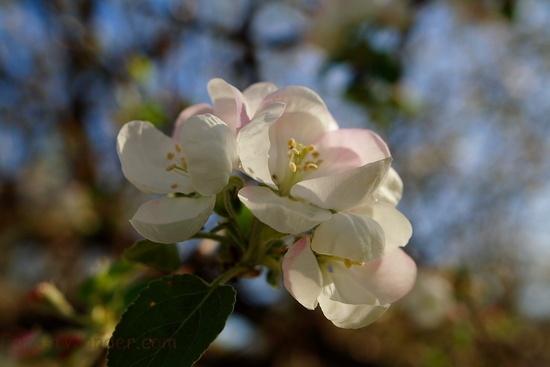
point(172, 323)
point(161, 256)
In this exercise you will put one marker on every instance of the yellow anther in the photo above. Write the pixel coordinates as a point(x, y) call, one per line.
point(303, 158)
point(178, 148)
point(311, 165)
point(348, 263)
point(291, 143)
point(171, 167)
point(170, 156)
point(174, 186)
point(292, 166)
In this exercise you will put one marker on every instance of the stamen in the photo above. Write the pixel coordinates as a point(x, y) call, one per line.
point(170, 156)
point(178, 148)
point(348, 263)
point(171, 167)
point(291, 143)
point(298, 153)
point(174, 186)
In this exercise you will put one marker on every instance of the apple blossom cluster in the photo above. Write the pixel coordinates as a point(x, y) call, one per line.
point(327, 194)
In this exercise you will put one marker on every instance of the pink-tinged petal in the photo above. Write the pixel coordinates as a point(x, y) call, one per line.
point(391, 188)
point(254, 144)
point(144, 154)
point(349, 316)
point(197, 109)
point(170, 220)
point(303, 101)
point(343, 191)
point(384, 280)
point(306, 119)
point(343, 285)
point(281, 213)
point(349, 236)
point(211, 152)
point(346, 149)
point(255, 94)
point(397, 228)
point(229, 104)
point(390, 277)
point(302, 277)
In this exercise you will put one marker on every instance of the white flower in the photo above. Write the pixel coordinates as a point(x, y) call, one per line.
point(230, 105)
point(196, 161)
point(351, 294)
point(313, 173)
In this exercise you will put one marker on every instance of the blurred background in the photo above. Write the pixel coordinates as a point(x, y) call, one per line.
point(460, 89)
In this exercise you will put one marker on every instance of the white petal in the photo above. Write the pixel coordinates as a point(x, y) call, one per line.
point(344, 285)
point(349, 236)
point(210, 150)
point(144, 154)
point(350, 316)
point(306, 119)
point(391, 188)
point(389, 278)
point(397, 228)
point(384, 280)
point(255, 94)
point(229, 103)
point(346, 149)
point(281, 213)
point(343, 191)
point(197, 109)
point(169, 220)
point(253, 141)
point(303, 101)
point(302, 277)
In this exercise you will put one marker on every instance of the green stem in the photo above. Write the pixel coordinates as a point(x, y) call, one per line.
point(231, 235)
point(270, 263)
point(228, 205)
point(262, 239)
point(228, 275)
point(237, 232)
point(227, 200)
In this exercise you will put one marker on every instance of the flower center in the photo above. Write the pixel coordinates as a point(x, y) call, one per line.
point(177, 163)
point(302, 159)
